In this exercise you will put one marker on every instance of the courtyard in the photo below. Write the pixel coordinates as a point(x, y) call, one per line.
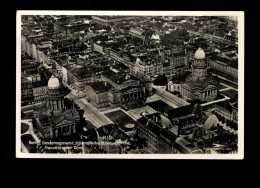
point(119, 117)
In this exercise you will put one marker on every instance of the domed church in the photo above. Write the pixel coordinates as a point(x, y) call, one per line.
point(199, 86)
point(53, 118)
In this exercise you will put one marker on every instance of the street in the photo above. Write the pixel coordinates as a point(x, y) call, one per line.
point(91, 113)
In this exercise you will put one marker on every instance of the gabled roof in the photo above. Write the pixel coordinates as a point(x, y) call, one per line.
point(61, 118)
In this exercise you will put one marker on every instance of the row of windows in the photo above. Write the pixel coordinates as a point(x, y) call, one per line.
point(40, 90)
point(224, 68)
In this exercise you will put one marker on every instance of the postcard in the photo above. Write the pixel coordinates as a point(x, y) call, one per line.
point(130, 84)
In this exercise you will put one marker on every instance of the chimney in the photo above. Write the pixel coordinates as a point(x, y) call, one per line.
point(127, 76)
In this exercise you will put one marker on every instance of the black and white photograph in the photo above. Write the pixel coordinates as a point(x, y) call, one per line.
point(130, 84)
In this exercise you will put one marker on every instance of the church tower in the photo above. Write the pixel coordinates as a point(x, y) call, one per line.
point(199, 66)
point(55, 95)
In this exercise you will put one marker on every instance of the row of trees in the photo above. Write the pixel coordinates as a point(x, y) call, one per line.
point(176, 37)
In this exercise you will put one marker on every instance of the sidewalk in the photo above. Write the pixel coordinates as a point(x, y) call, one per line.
point(216, 101)
point(228, 87)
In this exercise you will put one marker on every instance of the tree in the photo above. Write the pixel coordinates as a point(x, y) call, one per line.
point(161, 80)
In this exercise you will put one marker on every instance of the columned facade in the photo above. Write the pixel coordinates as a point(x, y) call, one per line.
point(131, 97)
point(63, 130)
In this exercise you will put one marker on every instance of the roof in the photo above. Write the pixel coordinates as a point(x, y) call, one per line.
point(26, 85)
point(157, 128)
point(142, 120)
point(200, 54)
point(185, 147)
point(167, 135)
point(161, 80)
point(120, 66)
point(31, 71)
point(167, 64)
point(234, 64)
point(86, 72)
point(154, 127)
point(136, 31)
point(228, 62)
point(39, 83)
point(220, 33)
point(44, 119)
point(62, 117)
point(226, 105)
point(165, 121)
point(183, 111)
point(101, 87)
point(118, 77)
point(202, 83)
point(53, 82)
point(180, 77)
point(160, 106)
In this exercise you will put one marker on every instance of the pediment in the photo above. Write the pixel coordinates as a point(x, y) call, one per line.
point(210, 87)
point(64, 122)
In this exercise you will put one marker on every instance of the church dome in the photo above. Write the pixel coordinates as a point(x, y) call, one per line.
point(199, 54)
point(53, 83)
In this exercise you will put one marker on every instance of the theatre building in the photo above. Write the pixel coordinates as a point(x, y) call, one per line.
point(53, 118)
point(116, 88)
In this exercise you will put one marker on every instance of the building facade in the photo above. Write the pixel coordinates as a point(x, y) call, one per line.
point(224, 67)
point(148, 67)
point(116, 89)
point(158, 138)
point(39, 92)
point(227, 110)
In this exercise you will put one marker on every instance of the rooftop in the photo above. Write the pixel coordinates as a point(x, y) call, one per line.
point(202, 83)
point(183, 111)
point(226, 105)
point(228, 62)
point(118, 77)
point(101, 87)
